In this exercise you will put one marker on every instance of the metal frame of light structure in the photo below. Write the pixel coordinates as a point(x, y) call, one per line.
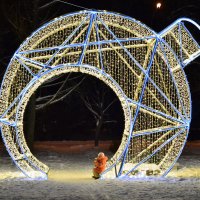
point(142, 67)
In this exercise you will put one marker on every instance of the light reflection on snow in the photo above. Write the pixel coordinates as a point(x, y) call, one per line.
point(11, 175)
point(83, 175)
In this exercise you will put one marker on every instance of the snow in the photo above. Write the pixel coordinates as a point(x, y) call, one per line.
point(70, 178)
point(141, 170)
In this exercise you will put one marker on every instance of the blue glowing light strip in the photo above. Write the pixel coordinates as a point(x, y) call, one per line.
point(180, 22)
point(89, 44)
point(12, 104)
point(180, 40)
point(31, 61)
point(165, 97)
point(67, 40)
point(26, 157)
point(177, 157)
point(99, 45)
point(142, 69)
point(139, 102)
point(158, 149)
point(92, 17)
point(156, 111)
point(171, 26)
point(7, 122)
point(174, 81)
point(188, 32)
point(26, 67)
point(17, 98)
point(14, 160)
point(178, 61)
point(158, 130)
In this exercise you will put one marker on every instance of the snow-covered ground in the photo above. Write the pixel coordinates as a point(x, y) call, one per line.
point(71, 178)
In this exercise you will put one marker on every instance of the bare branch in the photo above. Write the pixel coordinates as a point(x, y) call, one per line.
point(54, 100)
point(70, 91)
point(47, 4)
point(109, 105)
point(50, 96)
point(111, 121)
point(89, 106)
point(55, 95)
point(52, 84)
point(57, 83)
point(53, 79)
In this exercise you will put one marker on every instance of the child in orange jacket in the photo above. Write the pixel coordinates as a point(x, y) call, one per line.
point(100, 165)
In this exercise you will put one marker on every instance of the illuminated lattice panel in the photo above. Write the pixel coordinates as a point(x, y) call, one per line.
point(143, 68)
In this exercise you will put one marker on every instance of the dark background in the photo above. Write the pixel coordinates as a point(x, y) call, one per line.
point(69, 119)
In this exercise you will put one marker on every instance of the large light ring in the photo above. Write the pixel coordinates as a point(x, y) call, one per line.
point(86, 69)
point(144, 69)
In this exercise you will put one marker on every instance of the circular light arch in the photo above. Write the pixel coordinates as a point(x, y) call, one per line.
point(144, 69)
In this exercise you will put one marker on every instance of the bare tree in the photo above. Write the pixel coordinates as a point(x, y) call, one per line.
point(63, 88)
point(98, 102)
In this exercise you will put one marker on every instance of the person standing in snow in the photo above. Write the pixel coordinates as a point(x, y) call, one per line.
point(99, 165)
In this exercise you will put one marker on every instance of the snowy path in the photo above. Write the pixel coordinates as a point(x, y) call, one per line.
point(70, 178)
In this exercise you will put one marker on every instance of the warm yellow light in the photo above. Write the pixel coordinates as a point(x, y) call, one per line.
point(158, 5)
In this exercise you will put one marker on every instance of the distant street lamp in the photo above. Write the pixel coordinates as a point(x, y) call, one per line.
point(158, 5)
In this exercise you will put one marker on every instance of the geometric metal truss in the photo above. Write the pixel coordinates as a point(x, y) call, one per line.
point(143, 68)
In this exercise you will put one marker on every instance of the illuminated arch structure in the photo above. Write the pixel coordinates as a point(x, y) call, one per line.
point(143, 68)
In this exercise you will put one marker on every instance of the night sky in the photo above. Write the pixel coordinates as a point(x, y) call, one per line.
point(21, 17)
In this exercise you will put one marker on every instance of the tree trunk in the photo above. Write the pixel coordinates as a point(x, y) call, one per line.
point(29, 122)
point(98, 129)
